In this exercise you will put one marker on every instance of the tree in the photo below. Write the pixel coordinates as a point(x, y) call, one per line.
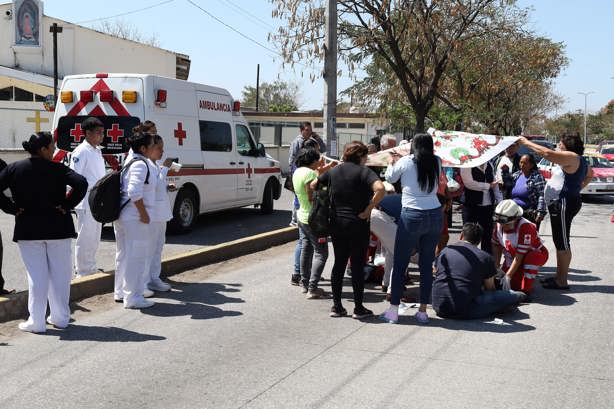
point(278, 96)
point(505, 82)
point(122, 29)
point(415, 40)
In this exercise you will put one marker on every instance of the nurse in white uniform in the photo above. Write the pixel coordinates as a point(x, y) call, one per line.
point(87, 161)
point(161, 214)
point(133, 229)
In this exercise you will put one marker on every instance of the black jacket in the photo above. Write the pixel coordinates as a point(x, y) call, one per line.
point(38, 186)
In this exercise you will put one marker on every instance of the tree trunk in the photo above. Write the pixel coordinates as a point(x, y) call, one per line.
point(420, 119)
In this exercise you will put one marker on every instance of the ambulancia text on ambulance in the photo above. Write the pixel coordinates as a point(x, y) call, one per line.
point(222, 165)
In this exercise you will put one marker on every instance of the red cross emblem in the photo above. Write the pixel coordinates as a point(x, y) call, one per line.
point(77, 133)
point(115, 133)
point(249, 171)
point(180, 134)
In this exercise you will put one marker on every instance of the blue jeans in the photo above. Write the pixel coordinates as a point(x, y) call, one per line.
point(491, 302)
point(314, 252)
point(297, 253)
point(419, 230)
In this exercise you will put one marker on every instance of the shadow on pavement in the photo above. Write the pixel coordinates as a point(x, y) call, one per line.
point(216, 228)
point(197, 300)
point(101, 334)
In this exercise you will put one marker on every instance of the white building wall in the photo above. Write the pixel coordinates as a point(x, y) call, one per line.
point(82, 51)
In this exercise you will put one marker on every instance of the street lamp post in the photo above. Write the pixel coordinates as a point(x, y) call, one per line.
point(586, 94)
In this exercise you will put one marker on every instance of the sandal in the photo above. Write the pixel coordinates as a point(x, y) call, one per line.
point(553, 285)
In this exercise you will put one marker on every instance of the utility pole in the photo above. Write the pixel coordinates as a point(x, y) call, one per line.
point(55, 29)
point(586, 94)
point(330, 78)
point(257, 87)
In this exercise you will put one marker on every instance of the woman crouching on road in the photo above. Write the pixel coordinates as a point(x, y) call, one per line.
point(43, 228)
point(132, 229)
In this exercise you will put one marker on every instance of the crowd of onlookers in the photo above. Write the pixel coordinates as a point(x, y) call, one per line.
point(44, 225)
point(404, 211)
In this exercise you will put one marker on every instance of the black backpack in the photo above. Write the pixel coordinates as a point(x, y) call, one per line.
point(321, 211)
point(105, 196)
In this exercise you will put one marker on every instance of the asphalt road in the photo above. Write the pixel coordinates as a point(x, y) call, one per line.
point(211, 229)
point(236, 334)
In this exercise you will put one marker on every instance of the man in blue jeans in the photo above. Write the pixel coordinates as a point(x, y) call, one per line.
point(464, 286)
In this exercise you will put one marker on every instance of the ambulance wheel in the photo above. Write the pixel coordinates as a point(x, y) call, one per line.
point(266, 207)
point(185, 211)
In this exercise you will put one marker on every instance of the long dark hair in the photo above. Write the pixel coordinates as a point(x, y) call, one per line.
point(426, 162)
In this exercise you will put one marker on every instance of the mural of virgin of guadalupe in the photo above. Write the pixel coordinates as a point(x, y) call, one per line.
point(27, 23)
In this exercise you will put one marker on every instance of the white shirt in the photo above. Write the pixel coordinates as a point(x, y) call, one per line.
point(504, 161)
point(87, 161)
point(134, 188)
point(483, 187)
point(413, 195)
point(162, 207)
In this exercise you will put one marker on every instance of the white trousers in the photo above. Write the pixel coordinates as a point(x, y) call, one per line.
point(132, 240)
point(384, 227)
point(88, 239)
point(48, 267)
point(158, 238)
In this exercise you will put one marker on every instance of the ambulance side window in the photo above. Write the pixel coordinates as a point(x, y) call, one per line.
point(215, 136)
point(245, 144)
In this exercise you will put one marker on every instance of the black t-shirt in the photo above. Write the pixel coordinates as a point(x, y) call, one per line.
point(461, 271)
point(352, 190)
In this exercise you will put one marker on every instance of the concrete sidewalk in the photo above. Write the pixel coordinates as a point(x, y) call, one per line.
point(236, 334)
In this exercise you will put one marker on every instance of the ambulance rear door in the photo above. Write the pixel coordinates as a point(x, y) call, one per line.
point(117, 101)
point(218, 149)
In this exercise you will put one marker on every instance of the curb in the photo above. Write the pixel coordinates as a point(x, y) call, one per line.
point(15, 306)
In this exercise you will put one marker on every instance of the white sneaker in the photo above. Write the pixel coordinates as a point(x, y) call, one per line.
point(148, 293)
point(159, 285)
point(50, 322)
point(140, 304)
point(28, 326)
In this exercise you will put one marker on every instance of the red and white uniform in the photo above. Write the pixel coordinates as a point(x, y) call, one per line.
point(524, 240)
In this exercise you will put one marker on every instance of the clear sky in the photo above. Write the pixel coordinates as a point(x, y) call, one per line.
point(224, 58)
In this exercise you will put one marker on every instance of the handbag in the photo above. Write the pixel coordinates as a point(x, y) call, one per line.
point(288, 184)
point(321, 210)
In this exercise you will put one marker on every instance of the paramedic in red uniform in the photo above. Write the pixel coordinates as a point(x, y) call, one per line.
point(524, 251)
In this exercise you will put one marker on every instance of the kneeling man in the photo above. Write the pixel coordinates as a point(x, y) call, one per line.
point(524, 251)
point(464, 286)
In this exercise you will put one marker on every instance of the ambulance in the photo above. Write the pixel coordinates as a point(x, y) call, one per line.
point(222, 166)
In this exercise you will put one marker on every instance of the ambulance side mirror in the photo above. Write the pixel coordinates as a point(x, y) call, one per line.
point(261, 151)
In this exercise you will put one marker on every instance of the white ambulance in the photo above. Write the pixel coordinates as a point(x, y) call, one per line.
point(222, 165)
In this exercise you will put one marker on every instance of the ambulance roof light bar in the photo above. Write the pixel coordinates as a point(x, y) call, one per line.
point(236, 107)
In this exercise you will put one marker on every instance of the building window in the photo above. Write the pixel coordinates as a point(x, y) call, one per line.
point(23, 95)
point(355, 125)
point(341, 125)
point(6, 94)
point(319, 125)
point(215, 136)
point(39, 98)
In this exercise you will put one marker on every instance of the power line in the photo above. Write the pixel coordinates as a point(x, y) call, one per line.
point(233, 29)
point(248, 14)
point(126, 13)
